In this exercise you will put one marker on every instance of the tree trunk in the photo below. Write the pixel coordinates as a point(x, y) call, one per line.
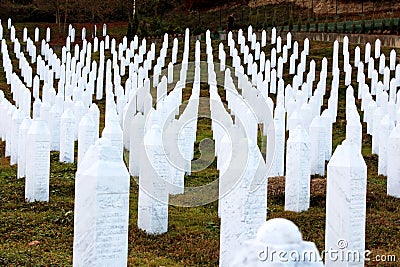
point(65, 15)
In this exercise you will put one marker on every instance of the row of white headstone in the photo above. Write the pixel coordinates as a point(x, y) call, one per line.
point(309, 143)
point(102, 196)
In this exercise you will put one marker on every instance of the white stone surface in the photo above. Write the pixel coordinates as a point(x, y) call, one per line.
point(346, 203)
point(38, 165)
point(386, 127)
point(317, 139)
point(279, 126)
point(326, 119)
point(16, 121)
point(55, 125)
point(297, 184)
point(376, 120)
point(354, 128)
point(87, 136)
point(393, 166)
point(114, 133)
point(171, 139)
point(67, 137)
point(153, 193)
point(129, 113)
point(274, 245)
point(242, 198)
point(101, 212)
point(136, 143)
point(22, 146)
point(95, 113)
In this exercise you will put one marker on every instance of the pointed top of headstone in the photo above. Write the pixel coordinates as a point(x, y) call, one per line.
point(386, 121)
point(68, 114)
point(316, 122)
point(39, 127)
point(279, 231)
point(347, 155)
point(298, 134)
point(94, 108)
point(86, 120)
point(395, 132)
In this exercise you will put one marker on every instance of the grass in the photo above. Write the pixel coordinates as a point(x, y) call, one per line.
point(193, 236)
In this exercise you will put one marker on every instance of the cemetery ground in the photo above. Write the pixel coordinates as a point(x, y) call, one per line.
point(41, 234)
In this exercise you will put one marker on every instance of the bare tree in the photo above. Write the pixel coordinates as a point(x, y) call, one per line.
point(59, 8)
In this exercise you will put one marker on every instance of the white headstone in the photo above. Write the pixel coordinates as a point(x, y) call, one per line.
point(87, 136)
point(297, 186)
point(16, 121)
point(346, 204)
point(67, 136)
point(318, 148)
point(175, 157)
point(38, 165)
point(377, 48)
point(393, 166)
point(101, 213)
point(279, 126)
point(356, 56)
point(273, 36)
point(83, 33)
point(113, 132)
point(136, 142)
point(95, 113)
point(392, 63)
point(55, 125)
point(367, 53)
point(385, 129)
point(153, 193)
point(48, 35)
point(22, 146)
point(238, 199)
point(376, 120)
point(278, 243)
point(354, 128)
point(327, 120)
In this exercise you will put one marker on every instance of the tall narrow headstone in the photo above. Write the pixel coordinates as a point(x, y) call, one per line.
point(67, 136)
point(367, 53)
point(136, 142)
point(16, 121)
point(104, 30)
point(346, 205)
point(273, 35)
point(83, 33)
point(171, 139)
point(101, 213)
point(393, 166)
point(376, 120)
point(54, 125)
point(377, 48)
point(153, 194)
point(297, 186)
point(232, 196)
point(22, 146)
point(385, 129)
point(318, 149)
point(279, 127)
point(38, 165)
point(114, 133)
point(327, 120)
point(87, 136)
point(278, 242)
